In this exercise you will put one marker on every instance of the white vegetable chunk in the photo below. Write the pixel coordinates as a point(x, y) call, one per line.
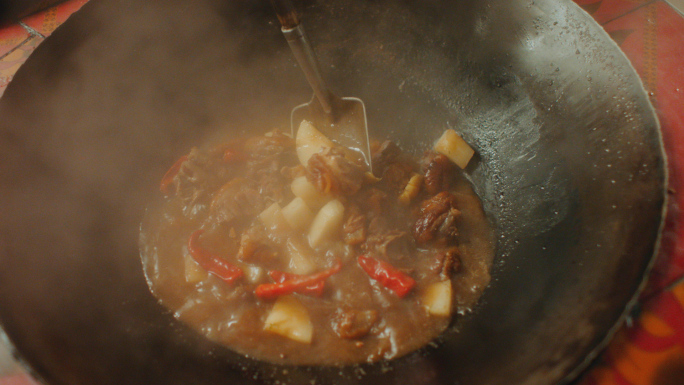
point(304, 189)
point(327, 223)
point(273, 217)
point(253, 274)
point(298, 214)
point(193, 272)
point(455, 148)
point(301, 258)
point(290, 319)
point(310, 141)
point(437, 298)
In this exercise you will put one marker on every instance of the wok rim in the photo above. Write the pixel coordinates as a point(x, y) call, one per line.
point(632, 303)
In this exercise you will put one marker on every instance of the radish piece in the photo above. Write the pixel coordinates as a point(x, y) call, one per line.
point(455, 148)
point(437, 298)
point(327, 223)
point(290, 319)
point(310, 141)
point(304, 189)
point(298, 214)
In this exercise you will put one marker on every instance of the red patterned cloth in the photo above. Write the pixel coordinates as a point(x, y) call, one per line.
point(18, 379)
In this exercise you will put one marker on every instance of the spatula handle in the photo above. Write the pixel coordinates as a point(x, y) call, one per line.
point(301, 48)
point(287, 14)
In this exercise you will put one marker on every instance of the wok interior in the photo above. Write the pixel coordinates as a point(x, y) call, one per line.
point(570, 170)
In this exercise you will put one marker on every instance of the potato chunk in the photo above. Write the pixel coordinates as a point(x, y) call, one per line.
point(310, 141)
point(327, 223)
point(455, 148)
point(301, 257)
point(304, 189)
point(290, 319)
point(437, 298)
point(253, 274)
point(298, 214)
point(273, 217)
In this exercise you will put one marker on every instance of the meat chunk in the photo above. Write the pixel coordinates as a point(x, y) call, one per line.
point(395, 177)
point(269, 177)
point(372, 201)
point(239, 198)
point(386, 154)
point(380, 242)
point(439, 173)
point(392, 167)
point(274, 143)
point(384, 238)
point(354, 324)
point(447, 262)
point(354, 228)
point(331, 172)
point(268, 155)
point(437, 220)
point(196, 177)
point(256, 248)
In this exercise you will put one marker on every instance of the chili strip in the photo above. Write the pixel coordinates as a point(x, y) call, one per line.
point(388, 275)
point(274, 290)
point(314, 289)
point(212, 262)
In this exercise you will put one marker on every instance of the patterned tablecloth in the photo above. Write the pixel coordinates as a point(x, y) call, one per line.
point(648, 350)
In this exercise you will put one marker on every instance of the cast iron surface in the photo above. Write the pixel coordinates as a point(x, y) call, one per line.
point(570, 169)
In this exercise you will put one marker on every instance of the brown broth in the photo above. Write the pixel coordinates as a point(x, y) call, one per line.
point(231, 314)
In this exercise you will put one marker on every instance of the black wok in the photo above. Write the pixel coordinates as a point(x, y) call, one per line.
point(570, 169)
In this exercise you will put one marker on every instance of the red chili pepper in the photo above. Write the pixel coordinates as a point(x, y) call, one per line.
point(289, 286)
point(167, 180)
point(388, 275)
point(315, 289)
point(211, 262)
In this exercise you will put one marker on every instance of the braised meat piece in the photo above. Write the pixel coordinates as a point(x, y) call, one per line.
point(437, 219)
point(447, 262)
point(196, 176)
point(331, 172)
point(384, 237)
point(354, 228)
point(380, 242)
point(272, 144)
point(239, 198)
point(396, 176)
point(267, 156)
point(256, 248)
point(354, 324)
point(267, 173)
point(386, 154)
point(372, 201)
point(392, 167)
point(439, 172)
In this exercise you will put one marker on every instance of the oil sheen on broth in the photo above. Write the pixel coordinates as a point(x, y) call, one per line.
point(289, 251)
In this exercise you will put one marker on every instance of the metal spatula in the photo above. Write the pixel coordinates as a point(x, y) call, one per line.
point(342, 119)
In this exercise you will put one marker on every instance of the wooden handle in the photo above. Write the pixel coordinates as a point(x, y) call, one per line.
point(287, 14)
